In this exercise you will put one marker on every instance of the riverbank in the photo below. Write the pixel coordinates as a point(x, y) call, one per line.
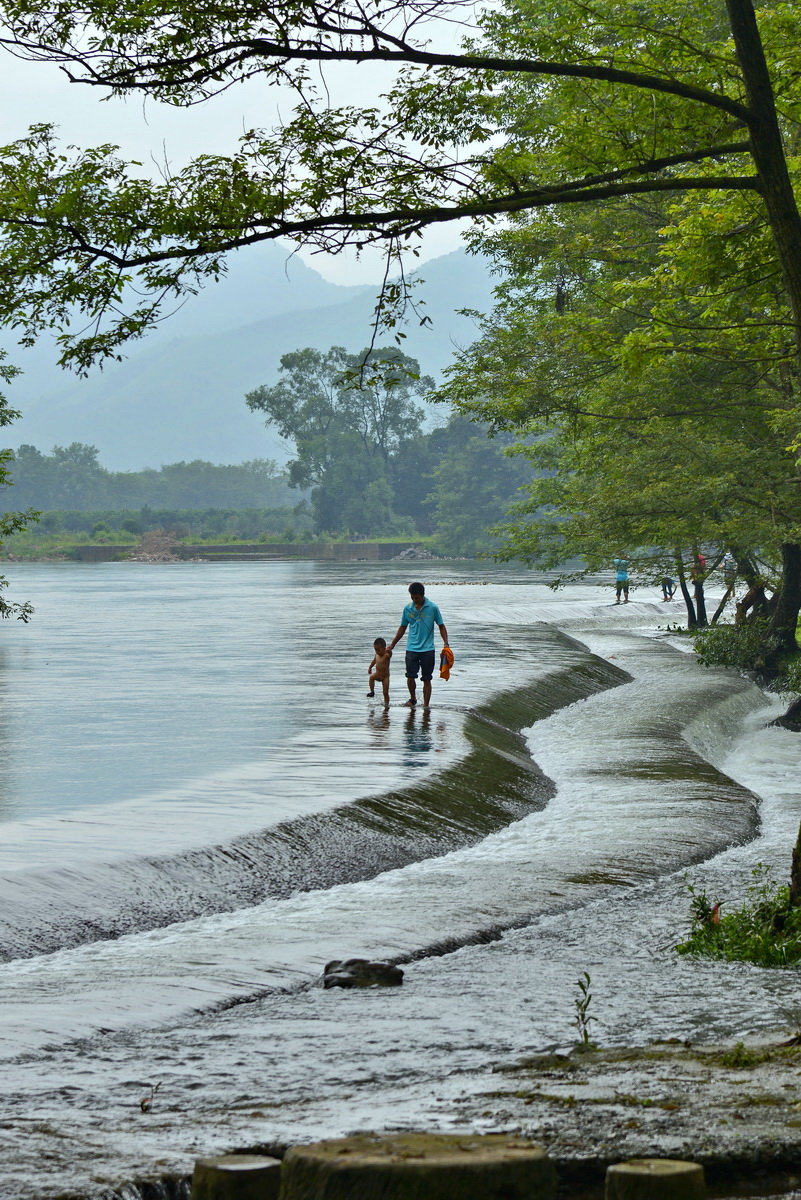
point(158, 547)
point(177, 551)
point(734, 1107)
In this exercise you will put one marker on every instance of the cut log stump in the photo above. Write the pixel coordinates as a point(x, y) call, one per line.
point(655, 1179)
point(410, 1166)
point(236, 1177)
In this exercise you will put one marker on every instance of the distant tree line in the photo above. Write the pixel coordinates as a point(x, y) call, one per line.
point(71, 478)
point(365, 465)
point(200, 524)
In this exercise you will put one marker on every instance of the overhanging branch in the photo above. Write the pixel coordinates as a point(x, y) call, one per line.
point(380, 225)
point(196, 69)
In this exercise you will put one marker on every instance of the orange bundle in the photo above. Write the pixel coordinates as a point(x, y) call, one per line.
point(445, 662)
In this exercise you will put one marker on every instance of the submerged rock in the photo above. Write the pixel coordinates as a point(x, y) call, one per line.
point(415, 553)
point(360, 972)
point(791, 719)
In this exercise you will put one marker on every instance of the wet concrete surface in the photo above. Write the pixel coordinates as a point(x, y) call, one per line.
point(734, 1107)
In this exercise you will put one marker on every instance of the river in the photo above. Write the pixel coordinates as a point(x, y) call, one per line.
point(200, 807)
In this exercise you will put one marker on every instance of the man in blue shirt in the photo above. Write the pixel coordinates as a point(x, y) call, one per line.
point(621, 566)
point(419, 618)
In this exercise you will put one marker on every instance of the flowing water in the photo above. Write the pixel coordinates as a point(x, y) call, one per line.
point(199, 807)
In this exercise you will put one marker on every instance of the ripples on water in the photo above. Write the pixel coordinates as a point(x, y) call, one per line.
point(192, 765)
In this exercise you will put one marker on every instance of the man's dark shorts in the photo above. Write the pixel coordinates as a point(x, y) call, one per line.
point(423, 662)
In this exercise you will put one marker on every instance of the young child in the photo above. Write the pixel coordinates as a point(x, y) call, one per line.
point(378, 670)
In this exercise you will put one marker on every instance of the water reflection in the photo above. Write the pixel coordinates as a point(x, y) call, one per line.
point(378, 722)
point(417, 740)
point(421, 737)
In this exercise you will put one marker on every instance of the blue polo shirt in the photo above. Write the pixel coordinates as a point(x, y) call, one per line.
point(421, 622)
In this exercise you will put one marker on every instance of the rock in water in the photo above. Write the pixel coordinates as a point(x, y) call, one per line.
point(791, 719)
point(360, 972)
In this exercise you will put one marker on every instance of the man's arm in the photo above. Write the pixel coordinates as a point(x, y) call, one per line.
point(443, 633)
point(397, 637)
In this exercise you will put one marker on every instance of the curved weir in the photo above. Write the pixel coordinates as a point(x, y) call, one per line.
point(589, 839)
point(494, 783)
point(404, 842)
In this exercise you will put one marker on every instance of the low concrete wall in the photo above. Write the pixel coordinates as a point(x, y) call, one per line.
point(100, 553)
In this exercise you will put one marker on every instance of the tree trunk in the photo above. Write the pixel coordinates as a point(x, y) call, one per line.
point(692, 620)
point(784, 618)
point(795, 873)
point(698, 574)
point(753, 598)
point(700, 604)
point(768, 153)
point(755, 595)
point(719, 610)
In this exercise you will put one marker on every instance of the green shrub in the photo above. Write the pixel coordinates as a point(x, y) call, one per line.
point(740, 1056)
point(747, 646)
point(765, 931)
point(791, 675)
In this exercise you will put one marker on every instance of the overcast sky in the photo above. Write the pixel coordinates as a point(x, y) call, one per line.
point(31, 93)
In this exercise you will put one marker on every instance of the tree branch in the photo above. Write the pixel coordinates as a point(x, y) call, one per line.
point(195, 69)
point(378, 225)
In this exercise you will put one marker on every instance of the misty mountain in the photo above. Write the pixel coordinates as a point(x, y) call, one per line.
point(180, 394)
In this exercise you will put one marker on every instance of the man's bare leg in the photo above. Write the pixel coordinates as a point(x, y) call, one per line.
point(412, 686)
point(426, 692)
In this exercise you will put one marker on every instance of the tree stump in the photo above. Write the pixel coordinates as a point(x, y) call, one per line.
point(795, 869)
point(408, 1166)
point(655, 1179)
point(236, 1177)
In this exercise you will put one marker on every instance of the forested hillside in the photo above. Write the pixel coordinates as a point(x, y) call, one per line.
point(178, 394)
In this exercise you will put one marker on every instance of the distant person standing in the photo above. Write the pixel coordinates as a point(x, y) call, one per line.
point(419, 617)
point(668, 587)
point(621, 566)
point(729, 565)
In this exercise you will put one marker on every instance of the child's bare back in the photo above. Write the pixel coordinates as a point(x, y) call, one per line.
point(378, 671)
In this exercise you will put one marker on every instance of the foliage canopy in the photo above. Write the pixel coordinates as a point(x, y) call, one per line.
point(585, 102)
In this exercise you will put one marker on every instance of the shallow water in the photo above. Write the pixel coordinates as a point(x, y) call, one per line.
point(656, 771)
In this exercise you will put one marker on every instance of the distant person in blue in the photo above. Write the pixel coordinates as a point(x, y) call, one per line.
point(668, 587)
point(419, 618)
point(621, 566)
